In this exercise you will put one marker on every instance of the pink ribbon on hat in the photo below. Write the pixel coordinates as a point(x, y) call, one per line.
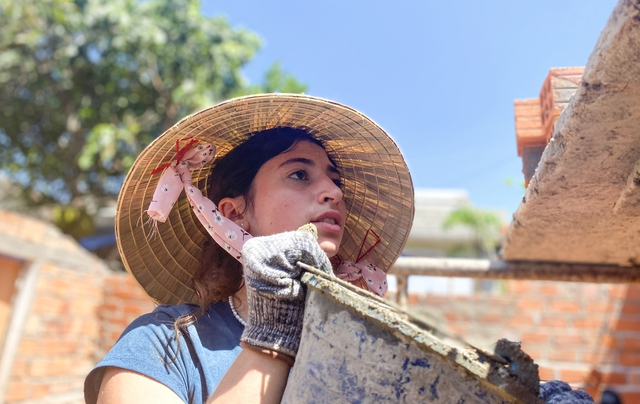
point(176, 177)
point(362, 273)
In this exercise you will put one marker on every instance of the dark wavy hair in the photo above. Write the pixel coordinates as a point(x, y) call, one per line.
point(220, 275)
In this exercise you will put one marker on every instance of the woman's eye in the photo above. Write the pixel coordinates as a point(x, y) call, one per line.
point(299, 175)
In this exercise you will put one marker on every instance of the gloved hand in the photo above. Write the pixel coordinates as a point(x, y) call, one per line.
point(275, 295)
point(559, 392)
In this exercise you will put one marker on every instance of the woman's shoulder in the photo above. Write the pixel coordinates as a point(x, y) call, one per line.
point(214, 327)
point(167, 315)
point(153, 345)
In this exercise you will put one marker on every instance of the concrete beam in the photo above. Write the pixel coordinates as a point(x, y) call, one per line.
point(583, 203)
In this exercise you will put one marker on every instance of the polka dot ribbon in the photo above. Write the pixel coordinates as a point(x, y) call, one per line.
point(362, 273)
point(177, 177)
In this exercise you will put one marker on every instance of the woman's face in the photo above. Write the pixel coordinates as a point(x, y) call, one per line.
point(294, 188)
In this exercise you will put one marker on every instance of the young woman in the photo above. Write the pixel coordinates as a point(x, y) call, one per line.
point(226, 190)
point(223, 265)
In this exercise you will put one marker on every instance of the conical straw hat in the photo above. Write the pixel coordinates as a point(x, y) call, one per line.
point(377, 186)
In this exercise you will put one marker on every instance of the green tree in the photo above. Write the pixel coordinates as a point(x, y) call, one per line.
point(86, 84)
point(276, 80)
point(486, 227)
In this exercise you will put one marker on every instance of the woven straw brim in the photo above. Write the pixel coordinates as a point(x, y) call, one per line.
point(378, 191)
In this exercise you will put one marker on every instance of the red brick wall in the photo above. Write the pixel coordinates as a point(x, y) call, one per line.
point(584, 334)
point(79, 309)
point(124, 301)
point(60, 336)
point(76, 316)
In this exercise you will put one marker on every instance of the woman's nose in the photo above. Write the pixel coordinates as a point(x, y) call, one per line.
point(330, 192)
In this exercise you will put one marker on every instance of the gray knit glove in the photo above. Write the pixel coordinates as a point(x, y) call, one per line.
point(275, 294)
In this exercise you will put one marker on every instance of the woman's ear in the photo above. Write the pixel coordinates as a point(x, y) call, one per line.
point(233, 209)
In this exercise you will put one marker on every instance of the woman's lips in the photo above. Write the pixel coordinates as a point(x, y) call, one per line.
point(329, 221)
point(332, 227)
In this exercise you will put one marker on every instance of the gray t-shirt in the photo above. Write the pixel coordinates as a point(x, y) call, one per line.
point(192, 368)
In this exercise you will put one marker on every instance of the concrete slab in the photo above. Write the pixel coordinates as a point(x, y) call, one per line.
point(583, 203)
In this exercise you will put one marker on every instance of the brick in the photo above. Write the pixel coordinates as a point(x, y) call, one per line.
point(113, 305)
point(631, 344)
point(609, 358)
point(546, 373)
point(614, 378)
point(534, 338)
point(17, 391)
point(630, 308)
point(553, 322)
point(413, 299)
point(519, 287)
point(618, 292)
point(28, 347)
point(590, 291)
point(134, 309)
point(530, 304)
point(630, 396)
point(574, 375)
point(520, 321)
point(549, 290)
point(437, 300)
point(49, 367)
point(80, 308)
point(456, 316)
point(572, 340)
point(60, 387)
point(91, 328)
point(594, 379)
point(630, 359)
point(591, 357)
point(528, 123)
point(626, 325)
point(523, 124)
point(491, 318)
point(591, 390)
point(123, 294)
point(556, 91)
point(40, 391)
point(20, 367)
point(634, 379)
point(113, 336)
point(633, 292)
point(33, 324)
point(608, 341)
point(599, 307)
point(566, 306)
point(58, 326)
point(562, 356)
point(120, 323)
point(589, 323)
point(59, 286)
point(47, 305)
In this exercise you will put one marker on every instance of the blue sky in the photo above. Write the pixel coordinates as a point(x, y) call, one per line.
point(440, 77)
